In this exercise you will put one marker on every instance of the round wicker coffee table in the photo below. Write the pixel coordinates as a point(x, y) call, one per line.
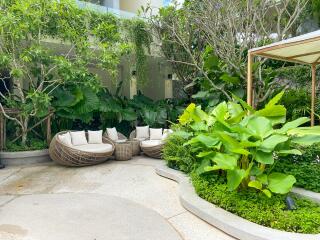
point(123, 151)
point(135, 147)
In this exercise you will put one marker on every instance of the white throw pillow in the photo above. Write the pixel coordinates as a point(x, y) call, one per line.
point(112, 134)
point(166, 133)
point(95, 137)
point(78, 138)
point(142, 132)
point(155, 133)
point(66, 139)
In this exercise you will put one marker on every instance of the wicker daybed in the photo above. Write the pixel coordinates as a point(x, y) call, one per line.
point(151, 150)
point(69, 156)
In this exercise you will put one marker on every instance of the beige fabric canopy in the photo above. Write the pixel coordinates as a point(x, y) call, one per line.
point(304, 49)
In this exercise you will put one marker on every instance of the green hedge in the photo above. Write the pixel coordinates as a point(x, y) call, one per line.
point(305, 168)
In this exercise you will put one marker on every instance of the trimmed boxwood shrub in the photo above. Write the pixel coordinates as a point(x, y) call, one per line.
point(176, 155)
point(257, 208)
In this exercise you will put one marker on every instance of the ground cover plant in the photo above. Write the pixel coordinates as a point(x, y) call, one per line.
point(269, 212)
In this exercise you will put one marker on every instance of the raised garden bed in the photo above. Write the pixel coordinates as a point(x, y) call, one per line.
point(230, 223)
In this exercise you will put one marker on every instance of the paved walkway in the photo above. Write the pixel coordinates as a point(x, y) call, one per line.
point(114, 200)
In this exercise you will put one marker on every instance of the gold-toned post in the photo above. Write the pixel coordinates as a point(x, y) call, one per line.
point(249, 80)
point(48, 121)
point(313, 92)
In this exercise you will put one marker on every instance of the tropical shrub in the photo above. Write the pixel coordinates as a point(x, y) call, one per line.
point(79, 108)
point(239, 142)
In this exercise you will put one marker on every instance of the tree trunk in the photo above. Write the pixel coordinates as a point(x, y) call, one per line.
point(24, 133)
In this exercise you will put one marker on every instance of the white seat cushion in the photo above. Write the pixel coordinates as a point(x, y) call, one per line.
point(95, 148)
point(112, 134)
point(95, 137)
point(155, 133)
point(140, 139)
point(142, 132)
point(151, 143)
point(78, 138)
point(65, 138)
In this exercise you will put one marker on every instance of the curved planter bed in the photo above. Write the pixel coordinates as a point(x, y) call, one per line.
point(229, 223)
point(25, 157)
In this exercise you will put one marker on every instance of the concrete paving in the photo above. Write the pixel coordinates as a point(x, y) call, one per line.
point(47, 201)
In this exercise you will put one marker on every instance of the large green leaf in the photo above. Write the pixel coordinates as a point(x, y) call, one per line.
point(306, 140)
point(186, 117)
point(236, 112)
point(203, 165)
point(264, 157)
point(276, 114)
point(260, 127)
point(271, 142)
point(293, 124)
point(199, 126)
point(234, 178)
point(275, 99)
point(303, 131)
point(208, 141)
point(220, 111)
point(231, 144)
point(280, 183)
point(290, 151)
point(243, 103)
point(255, 184)
point(225, 161)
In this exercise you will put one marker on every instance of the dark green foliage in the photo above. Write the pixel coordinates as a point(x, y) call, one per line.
point(306, 168)
point(297, 103)
point(32, 144)
point(80, 108)
point(256, 207)
point(176, 155)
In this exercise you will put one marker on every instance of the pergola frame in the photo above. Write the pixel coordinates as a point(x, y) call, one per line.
point(304, 49)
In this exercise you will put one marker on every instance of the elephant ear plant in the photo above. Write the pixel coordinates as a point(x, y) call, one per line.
point(242, 144)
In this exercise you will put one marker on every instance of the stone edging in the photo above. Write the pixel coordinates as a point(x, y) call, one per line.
point(307, 194)
point(229, 223)
point(25, 157)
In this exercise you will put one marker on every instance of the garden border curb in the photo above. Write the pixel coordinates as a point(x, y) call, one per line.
point(227, 222)
point(25, 157)
point(307, 194)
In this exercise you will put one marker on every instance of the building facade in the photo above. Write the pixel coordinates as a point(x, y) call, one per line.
point(131, 6)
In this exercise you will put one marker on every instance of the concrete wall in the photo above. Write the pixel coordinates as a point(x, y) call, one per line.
point(111, 3)
point(135, 5)
point(156, 87)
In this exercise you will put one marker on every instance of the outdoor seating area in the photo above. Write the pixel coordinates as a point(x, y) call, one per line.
point(80, 148)
point(159, 119)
